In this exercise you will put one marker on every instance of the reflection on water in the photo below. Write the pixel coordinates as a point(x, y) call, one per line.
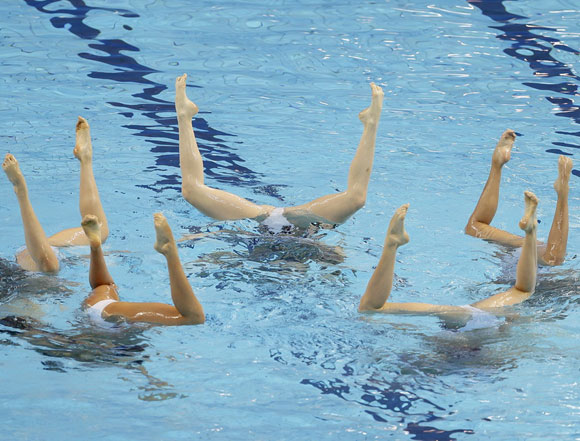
point(90, 347)
point(405, 384)
point(538, 51)
point(220, 161)
point(15, 281)
point(274, 254)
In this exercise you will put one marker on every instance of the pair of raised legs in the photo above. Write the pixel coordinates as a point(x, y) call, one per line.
point(38, 254)
point(186, 309)
point(218, 204)
point(551, 253)
point(379, 287)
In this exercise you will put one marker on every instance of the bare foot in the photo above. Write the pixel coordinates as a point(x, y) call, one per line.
point(165, 241)
point(564, 169)
point(396, 234)
point(503, 149)
point(529, 222)
point(83, 150)
point(12, 170)
point(184, 107)
point(372, 114)
point(92, 229)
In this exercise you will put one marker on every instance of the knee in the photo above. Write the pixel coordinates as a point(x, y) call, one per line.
point(357, 200)
point(50, 265)
point(470, 229)
point(190, 191)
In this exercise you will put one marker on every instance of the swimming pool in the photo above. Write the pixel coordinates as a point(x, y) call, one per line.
point(284, 354)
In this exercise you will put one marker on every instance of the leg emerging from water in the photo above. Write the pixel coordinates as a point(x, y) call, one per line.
point(380, 285)
point(527, 264)
point(337, 208)
point(186, 309)
point(89, 200)
point(214, 203)
point(555, 250)
point(38, 255)
point(478, 224)
point(98, 272)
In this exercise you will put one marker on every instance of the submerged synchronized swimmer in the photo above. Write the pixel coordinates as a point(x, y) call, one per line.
point(380, 285)
point(103, 303)
point(38, 254)
point(551, 253)
point(221, 205)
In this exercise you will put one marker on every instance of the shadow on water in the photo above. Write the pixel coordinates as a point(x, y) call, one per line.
point(85, 345)
point(396, 386)
point(220, 162)
point(390, 402)
point(15, 281)
point(87, 348)
point(261, 246)
point(529, 46)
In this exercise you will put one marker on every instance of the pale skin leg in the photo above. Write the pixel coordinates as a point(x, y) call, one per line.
point(332, 209)
point(186, 309)
point(214, 203)
point(554, 251)
point(38, 255)
point(337, 208)
point(478, 225)
point(380, 285)
point(89, 200)
point(527, 264)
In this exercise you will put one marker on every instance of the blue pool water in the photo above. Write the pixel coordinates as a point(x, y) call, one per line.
point(284, 355)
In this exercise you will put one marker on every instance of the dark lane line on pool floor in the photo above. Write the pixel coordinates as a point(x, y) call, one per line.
point(535, 49)
point(220, 162)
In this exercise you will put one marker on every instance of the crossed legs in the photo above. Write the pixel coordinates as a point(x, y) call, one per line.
point(478, 225)
point(186, 309)
point(222, 205)
point(379, 287)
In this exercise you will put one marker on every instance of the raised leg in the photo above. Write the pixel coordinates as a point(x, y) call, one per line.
point(186, 309)
point(555, 250)
point(527, 264)
point(337, 208)
point(89, 200)
point(98, 271)
point(214, 203)
point(379, 287)
point(478, 224)
point(38, 255)
point(181, 292)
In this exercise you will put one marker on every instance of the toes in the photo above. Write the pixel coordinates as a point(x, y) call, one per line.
point(402, 211)
point(509, 133)
point(89, 219)
point(531, 198)
point(376, 90)
point(9, 160)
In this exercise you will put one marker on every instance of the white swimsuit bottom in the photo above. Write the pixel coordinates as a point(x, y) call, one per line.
point(480, 319)
point(276, 221)
point(95, 313)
